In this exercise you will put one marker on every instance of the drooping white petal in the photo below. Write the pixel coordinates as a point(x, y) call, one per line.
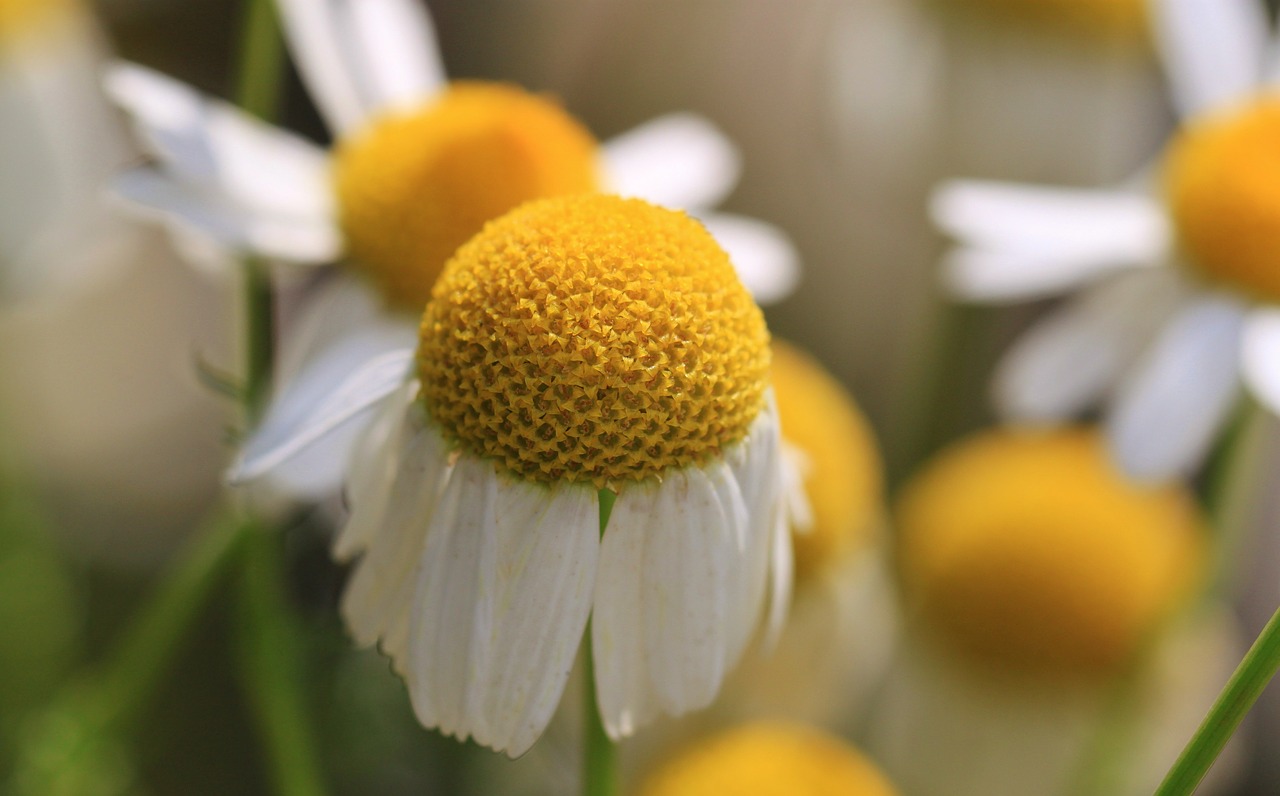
point(381, 588)
point(680, 160)
point(396, 42)
point(327, 395)
point(1213, 50)
point(1025, 241)
point(1071, 359)
point(765, 258)
point(679, 549)
point(196, 211)
point(205, 141)
point(502, 599)
point(1168, 412)
point(359, 57)
point(1260, 357)
point(760, 467)
point(373, 468)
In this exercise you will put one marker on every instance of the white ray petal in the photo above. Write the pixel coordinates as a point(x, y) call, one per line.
point(502, 599)
point(1072, 358)
point(381, 588)
point(758, 466)
point(1260, 357)
point(375, 462)
point(765, 258)
point(1168, 412)
point(623, 686)
point(207, 141)
point(319, 42)
point(1214, 51)
point(397, 47)
point(329, 394)
point(680, 160)
point(210, 217)
point(1025, 241)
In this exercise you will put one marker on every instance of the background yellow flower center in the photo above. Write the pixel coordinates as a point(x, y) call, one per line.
point(1223, 184)
point(1127, 18)
point(1032, 552)
point(841, 466)
point(21, 18)
point(413, 188)
point(769, 759)
point(593, 338)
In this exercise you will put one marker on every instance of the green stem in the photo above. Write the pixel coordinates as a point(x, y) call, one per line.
point(271, 659)
point(1255, 671)
point(600, 756)
point(1228, 499)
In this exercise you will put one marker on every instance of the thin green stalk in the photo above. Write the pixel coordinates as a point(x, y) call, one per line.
point(271, 657)
point(600, 756)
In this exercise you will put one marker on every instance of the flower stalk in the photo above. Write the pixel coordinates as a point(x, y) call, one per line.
point(600, 758)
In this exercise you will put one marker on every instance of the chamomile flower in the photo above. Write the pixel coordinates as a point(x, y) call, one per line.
point(1165, 347)
point(769, 759)
point(575, 345)
point(419, 165)
point(1034, 574)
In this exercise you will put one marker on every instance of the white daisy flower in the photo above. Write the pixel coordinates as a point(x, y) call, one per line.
point(1165, 347)
point(577, 344)
point(419, 165)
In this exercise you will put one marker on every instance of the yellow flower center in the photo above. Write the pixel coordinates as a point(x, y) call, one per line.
point(839, 460)
point(592, 338)
point(414, 187)
point(1223, 186)
point(1107, 18)
point(769, 759)
point(22, 18)
point(1031, 551)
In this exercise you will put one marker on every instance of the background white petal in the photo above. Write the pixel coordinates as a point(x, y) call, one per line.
point(1214, 51)
point(680, 160)
point(397, 47)
point(1071, 359)
point(1167, 414)
point(338, 388)
point(205, 140)
point(320, 46)
point(212, 220)
point(1052, 223)
point(1260, 357)
point(765, 258)
point(503, 596)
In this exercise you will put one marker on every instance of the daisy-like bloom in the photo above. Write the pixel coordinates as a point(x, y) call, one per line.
point(1164, 347)
point(419, 165)
point(577, 344)
point(840, 628)
point(1033, 574)
point(769, 759)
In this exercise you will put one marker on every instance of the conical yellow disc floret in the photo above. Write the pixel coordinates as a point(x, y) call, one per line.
point(593, 338)
point(412, 188)
point(1032, 552)
point(840, 462)
point(1223, 184)
point(769, 759)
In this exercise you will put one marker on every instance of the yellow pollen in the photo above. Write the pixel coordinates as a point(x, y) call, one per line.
point(839, 459)
point(1032, 553)
point(414, 187)
point(592, 338)
point(769, 759)
point(1223, 186)
point(1100, 18)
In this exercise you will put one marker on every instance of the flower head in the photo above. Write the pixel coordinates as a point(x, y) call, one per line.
point(769, 759)
point(574, 343)
point(1030, 552)
point(412, 187)
point(1166, 348)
